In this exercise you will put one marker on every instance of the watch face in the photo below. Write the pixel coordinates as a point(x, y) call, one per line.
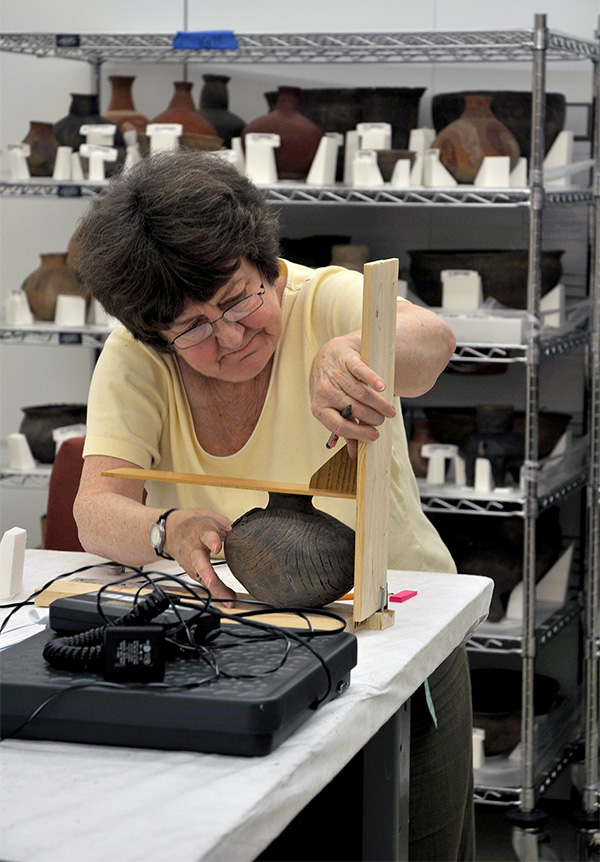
point(157, 536)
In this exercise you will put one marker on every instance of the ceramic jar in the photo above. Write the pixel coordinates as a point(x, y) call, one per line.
point(181, 109)
point(39, 422)
point(214, 107)
point(299, 136)
point(83, 111)
point(477, 133)
point(121, 111)
point(44, 284)
point(291, 554)
point(43, 145)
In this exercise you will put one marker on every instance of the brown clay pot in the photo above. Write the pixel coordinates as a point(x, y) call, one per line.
point(121, 111)
point(45, 283)
point(291, 554)
point(477, 133)
point(299, 136)
point(43, 145)
point(181, 109)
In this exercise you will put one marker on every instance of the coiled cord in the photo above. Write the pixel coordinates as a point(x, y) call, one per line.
point(85, 651)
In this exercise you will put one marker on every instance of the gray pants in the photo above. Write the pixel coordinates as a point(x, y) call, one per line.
point(442, 820)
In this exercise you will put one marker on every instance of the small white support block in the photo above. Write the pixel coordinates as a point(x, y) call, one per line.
point(365, 170)
point(97, 156)
point(416, 172)
point(493, 173)
point(324, 165)
point(374, 136)
point(552, 306)
point(19, 453)
point(402, 288)
point(559, 155)
point(518, 175)
point(461, 290)
point(97, 315)
point(12, 561)
point(435, 175)
point(62, 164)
point(18, 311)
point(70, 310)
point(261, 166)
point(17, 161)
point(238, 149)
point(102, 135)
point(400, 178)
point(478, 747)
point(420, 140)
point(132, 151)
point(438, 454)
point(457, 473)
point(66, 432)
point(76, 169)
point(551, 588)
point(350, 151)
point(164, 136)
point(484, 479)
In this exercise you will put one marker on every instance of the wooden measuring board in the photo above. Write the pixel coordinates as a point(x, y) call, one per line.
point(367, 479)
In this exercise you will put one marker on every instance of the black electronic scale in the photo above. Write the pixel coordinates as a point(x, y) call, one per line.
point(265, 690)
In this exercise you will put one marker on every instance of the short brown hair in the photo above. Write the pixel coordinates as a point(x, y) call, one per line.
point(172, 229)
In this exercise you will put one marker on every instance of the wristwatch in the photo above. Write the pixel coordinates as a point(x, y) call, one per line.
point(158, 534)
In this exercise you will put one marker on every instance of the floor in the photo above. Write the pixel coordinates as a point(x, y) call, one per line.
point(494, 834)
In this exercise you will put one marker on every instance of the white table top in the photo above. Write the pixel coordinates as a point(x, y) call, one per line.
point(74, 802)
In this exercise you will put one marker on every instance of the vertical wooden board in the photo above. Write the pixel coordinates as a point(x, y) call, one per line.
point(373, 463)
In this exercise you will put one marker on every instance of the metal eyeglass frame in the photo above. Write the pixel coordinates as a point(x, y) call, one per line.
point(211, 323)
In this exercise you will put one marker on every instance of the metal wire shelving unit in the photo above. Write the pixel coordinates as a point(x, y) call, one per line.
point(536, 47)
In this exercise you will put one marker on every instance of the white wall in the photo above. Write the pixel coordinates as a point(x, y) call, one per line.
point(39, 89)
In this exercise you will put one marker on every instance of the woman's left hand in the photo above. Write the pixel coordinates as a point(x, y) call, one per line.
point(338, 379)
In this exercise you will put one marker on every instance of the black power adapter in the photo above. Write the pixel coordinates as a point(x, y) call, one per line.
point(134, 653)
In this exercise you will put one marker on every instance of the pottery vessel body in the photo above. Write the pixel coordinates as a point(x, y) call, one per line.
point(477, 133)
point(39, 422)
point(181, 109)
point(50, 279)
point(214, 107)
point(511, 107)
point(503, 272)
point(494, 438)
point(299, 136)
point(83, 111)
point(291, 554)
point(121, 111)
point(43, 144)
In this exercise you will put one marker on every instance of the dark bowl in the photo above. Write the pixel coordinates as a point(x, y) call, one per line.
point(503, 273)
point(454, 424)
point(41, 420)
point(511, 107)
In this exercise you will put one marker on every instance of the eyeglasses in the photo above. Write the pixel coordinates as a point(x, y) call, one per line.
point(195, 335)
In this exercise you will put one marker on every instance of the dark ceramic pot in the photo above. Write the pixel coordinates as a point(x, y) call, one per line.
point(503, 273)
point(511, 107)
point(83, 111)
point(214, 107)
point(39, 423)
point(291, 554)
point(496, 694)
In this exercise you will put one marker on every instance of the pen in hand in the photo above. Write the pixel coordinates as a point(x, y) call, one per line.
point(335, 437)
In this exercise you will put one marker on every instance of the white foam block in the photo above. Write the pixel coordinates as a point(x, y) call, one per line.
point(12, 560)
point(261, 166)
point(461, 289)
point(493, 173)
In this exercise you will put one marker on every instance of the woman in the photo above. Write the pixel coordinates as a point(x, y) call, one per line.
point(234, 362)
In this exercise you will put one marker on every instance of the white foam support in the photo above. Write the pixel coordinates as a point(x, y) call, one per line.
point(461, 289)
point(12, 559)
point(350, 151)
point(19, 453)
point(552, 306)
point(18, 311)
point(558, 156)
point(76, 169)
point(97, 155)
point(400, 178)
point(101, 135)
point(261, 166)
point(438, 454)
point(62, 164)
point(435, 175)
point(493, 173)
point(420, 140)
point(365, 170)
point(17, 161)
point(484, 480)
point(70, 310)
point(518, 175)
point(164, 137)
point(324, 165)
point(374, 136)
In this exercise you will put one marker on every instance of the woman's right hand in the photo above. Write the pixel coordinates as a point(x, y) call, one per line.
point(192, 536)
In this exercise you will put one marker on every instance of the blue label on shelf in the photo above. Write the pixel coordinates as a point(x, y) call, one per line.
point(222, 40)
point(67, 40)
point(70, 338)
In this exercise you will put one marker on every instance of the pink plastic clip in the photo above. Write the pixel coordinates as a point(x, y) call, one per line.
point(403, 595)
